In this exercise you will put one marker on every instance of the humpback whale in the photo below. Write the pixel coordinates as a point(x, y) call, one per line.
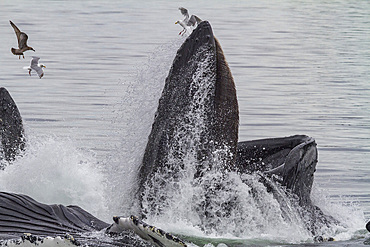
point(195, 133)
point(196, 123)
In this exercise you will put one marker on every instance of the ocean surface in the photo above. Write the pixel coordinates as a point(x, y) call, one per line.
point(300, 67)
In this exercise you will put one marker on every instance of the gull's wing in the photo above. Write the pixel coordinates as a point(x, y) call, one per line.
point(21, 37)
point(198, 19)
point(22, 41)
point(16, 30)
point(35, 62)
point(39, 70)
point(184, 12)
point(35, 66)
point(194, 19)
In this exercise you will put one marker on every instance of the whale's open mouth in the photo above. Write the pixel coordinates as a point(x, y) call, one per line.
point(193, 155)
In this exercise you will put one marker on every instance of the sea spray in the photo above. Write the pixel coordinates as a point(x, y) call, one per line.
point(53, 170)
point(133, 117)
point(345, 210)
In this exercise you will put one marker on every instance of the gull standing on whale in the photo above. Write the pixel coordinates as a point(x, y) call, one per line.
point(187, 23)
point(22, 42)
point(36, 67)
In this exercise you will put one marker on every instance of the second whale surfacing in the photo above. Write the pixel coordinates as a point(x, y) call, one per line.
point(11, 129)
point(192, 158)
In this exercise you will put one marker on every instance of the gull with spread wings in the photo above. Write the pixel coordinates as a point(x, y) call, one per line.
point(22, 42)
point(187, 23)
point(36, 67)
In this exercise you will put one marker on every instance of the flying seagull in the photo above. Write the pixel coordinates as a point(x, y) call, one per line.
point(36, 67)
point(22, 42)
point(187, 23)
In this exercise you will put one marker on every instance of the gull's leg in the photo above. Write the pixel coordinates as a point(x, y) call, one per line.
point(182, 31)
point(23, 56)
point(29, 72)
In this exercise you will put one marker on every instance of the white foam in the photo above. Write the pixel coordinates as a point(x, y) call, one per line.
point(345, 210)
point(134, 116)
point(54, 171)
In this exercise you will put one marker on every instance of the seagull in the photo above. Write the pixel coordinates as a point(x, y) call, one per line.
point(187, 23)
point(22, 42)
point(36, 67)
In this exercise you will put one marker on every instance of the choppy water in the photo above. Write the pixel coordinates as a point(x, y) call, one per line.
point(300, 67)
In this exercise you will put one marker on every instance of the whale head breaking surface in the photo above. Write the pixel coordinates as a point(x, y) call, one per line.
point(198, 103)
point(195, 128)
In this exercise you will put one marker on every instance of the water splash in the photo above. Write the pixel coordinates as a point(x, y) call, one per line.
point(346, 211)
point(134, 115)
point(54, 170)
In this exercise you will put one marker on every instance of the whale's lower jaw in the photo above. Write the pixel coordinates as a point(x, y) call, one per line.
point(292, 158)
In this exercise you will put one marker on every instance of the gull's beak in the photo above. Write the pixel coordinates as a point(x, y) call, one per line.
point(176, 22)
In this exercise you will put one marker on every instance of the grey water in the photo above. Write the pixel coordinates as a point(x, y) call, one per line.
point(300, 67)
